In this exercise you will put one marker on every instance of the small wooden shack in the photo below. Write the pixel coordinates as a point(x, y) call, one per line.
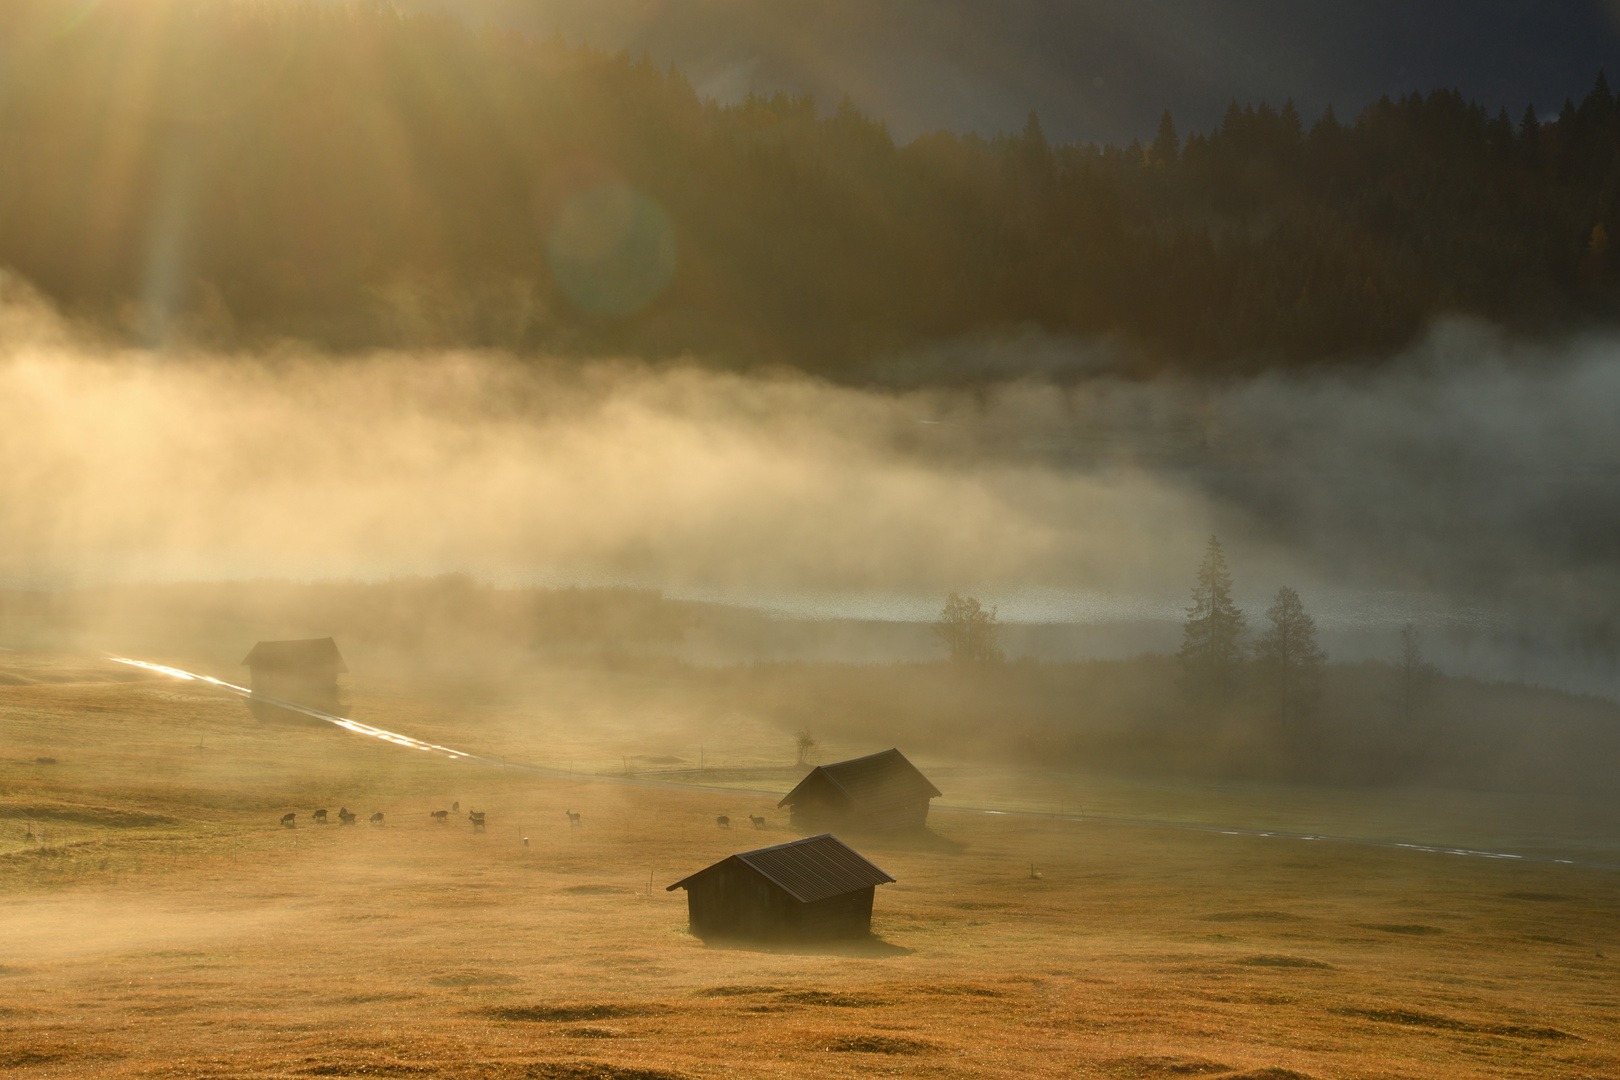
point(880, 791)
point(811, 889)
point(302, 672)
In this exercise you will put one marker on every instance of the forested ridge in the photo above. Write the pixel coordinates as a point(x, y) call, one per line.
point(236, 173)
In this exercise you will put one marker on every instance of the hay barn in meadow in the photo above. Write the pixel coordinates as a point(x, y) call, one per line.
point(302, 672)
point(880, 791)
point(817, 888)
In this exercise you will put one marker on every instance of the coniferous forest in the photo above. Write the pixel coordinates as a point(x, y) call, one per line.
point(239, 173)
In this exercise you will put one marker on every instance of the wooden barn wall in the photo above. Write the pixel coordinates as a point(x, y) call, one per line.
point(846, 916)
point(731, 899)
point(886, 810)
point(820, 802)
point(734, 901)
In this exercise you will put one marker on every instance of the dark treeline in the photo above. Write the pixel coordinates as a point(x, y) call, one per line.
point(238, 172)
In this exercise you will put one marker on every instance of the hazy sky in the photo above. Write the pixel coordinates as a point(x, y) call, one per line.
point(1097, 69)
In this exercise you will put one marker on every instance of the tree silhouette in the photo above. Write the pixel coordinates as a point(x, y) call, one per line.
point(968, 630)
point(1288, 659)
point(1211, 657)
point(1166, 144)
point(363, 177)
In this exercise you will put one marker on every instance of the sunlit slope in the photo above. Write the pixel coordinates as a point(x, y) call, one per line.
point(218, 171)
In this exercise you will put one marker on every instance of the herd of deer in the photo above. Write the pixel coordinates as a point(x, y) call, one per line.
point(290, 821)
point(725, 822)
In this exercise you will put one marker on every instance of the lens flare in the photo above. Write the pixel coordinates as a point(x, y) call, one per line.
point(611, 249)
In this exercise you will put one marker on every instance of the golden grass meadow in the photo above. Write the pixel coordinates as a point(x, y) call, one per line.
point(160, 922)
point(1185, 431)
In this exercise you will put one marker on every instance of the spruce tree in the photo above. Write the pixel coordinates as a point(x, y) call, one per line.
point(1293, 128)
point(1166, 144)
point(1530, 135)
point(1599, 102)
point(1328, 127)
point(1212, 652)
point(1288, 659)
point(1504, 140)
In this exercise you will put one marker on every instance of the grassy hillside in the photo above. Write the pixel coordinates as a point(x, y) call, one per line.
point(161, 921)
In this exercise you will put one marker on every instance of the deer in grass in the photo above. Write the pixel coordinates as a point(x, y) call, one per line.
point(320, 817)
point(441, 816)
point(573, 818)
point(287, 821)
point(344, 817)
point(377, 818)
point(477, 819)
point(723, 821)
point(758, 822)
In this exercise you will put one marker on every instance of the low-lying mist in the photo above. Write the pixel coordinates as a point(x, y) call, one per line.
point(129, 465)
point(1467, 487)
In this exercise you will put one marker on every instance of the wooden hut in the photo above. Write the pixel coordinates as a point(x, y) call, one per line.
point(302, 672)
point(811, 889)
point(880, 791)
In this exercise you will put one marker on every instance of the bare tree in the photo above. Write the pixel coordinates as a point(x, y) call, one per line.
point(1288, 659)
point(968, 630)
point(1211, 656)
point(805, 742)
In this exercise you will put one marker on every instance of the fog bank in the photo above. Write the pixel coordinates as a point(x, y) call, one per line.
point(1467, 487)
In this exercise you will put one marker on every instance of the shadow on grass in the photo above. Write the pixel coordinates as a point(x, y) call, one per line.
point(869, 947)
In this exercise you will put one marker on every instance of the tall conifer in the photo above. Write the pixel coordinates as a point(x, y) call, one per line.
point(1288, 658)
point(1166, 144)
point(1212, 651)
point(1530, 133)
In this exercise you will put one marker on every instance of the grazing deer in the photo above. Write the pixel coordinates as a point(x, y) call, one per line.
point(287, 821)
point(723, 821)
point(477, 818)
point(441, 816)
point(377, 818)
point(344, 816)
point(759, 822)
point(456, 806)
point(320, 817)
point(573, 818)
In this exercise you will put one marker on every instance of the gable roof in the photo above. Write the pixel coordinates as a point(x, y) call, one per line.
point(861, 778)
point(313, 654)
point(808, 870)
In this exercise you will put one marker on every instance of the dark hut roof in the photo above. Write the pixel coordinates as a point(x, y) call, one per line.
point(808, 870)
point(862, 778)
point(314, 654)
